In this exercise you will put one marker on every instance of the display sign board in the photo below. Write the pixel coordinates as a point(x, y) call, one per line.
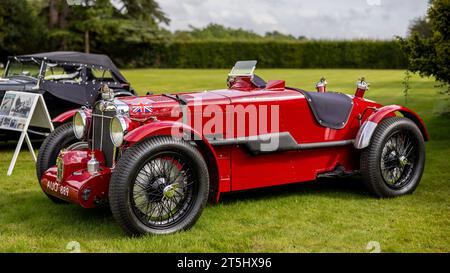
point(18, 111)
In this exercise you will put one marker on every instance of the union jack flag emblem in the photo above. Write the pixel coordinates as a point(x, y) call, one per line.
point(141, 108)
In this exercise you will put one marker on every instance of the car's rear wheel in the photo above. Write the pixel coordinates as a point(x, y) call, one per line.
point(61, 138)
point(393, 163)
point(159, 186)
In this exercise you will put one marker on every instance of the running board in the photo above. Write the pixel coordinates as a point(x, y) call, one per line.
point(338, 172)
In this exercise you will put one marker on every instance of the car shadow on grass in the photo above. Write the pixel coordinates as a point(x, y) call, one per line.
point(345, 188)
point(72, 221)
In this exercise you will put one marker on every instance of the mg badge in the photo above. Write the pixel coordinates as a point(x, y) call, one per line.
point(60, 168)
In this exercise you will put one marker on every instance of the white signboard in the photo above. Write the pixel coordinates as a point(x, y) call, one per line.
point(18, 111)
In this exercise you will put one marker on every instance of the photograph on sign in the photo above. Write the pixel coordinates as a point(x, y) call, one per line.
point(7, 103)
point(6, 121)
point(13, 123)
point(19, 110)
point(15, 110)
point(22, 106)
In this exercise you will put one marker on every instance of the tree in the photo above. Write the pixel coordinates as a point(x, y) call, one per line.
point(218, 32)
point(276, 35)
point(215, 32)
point(93, 22)
point(420, 26)
point(430, 56)
point(143, 10)
point(57, 14)
point(20, 28)
point(92, 17)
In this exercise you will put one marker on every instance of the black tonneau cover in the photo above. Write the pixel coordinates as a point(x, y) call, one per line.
point(331, 109)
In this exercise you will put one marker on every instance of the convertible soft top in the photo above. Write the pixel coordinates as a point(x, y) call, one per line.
point(94, 60)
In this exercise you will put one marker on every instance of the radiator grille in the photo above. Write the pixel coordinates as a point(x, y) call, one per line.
point(100, 134)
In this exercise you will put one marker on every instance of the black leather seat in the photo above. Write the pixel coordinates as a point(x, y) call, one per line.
point(331, 109)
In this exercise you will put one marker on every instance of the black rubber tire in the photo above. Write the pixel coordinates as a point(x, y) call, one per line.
point(62, 137)
point(126, 170)
point(371, 157)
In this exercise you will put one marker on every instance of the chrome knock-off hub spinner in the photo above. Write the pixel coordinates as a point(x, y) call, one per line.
point(403, 161)
point(169, 191)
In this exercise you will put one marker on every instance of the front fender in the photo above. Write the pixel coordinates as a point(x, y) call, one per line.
point(180, 130)
point(158, 128)
point(66, 116)
point(366, 131)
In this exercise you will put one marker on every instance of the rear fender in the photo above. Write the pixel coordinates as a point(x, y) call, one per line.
point(180, 130)
point(366, 131)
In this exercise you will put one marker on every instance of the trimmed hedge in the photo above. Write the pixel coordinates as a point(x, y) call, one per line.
point(302, 54)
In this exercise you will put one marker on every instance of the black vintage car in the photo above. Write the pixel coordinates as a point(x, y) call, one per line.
point(66, 79)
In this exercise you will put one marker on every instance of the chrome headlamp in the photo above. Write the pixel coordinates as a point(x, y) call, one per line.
point(117, 130)
point(79, 124)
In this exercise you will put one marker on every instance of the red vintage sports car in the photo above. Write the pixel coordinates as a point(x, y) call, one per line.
point(158, 159)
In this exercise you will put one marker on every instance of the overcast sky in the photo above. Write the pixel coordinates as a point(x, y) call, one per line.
point(320, 19)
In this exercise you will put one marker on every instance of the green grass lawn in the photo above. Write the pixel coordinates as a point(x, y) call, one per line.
point(324, 216)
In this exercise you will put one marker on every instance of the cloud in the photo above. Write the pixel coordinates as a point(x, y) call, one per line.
point(319, 19)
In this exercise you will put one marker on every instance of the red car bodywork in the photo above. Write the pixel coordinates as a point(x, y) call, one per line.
point(232, 167)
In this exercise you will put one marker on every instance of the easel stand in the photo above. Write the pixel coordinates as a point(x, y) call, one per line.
point(38, 116)
point(23, 136)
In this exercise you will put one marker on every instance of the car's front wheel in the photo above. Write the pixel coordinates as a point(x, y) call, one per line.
point(393, 163)
point(159, 186)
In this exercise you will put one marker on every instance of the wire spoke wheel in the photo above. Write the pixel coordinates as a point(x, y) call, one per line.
point(163, 190)
point(393, 163)
point(159, 186)
point(398, 159)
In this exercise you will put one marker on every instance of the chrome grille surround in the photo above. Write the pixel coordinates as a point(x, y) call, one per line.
point(103, 112)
